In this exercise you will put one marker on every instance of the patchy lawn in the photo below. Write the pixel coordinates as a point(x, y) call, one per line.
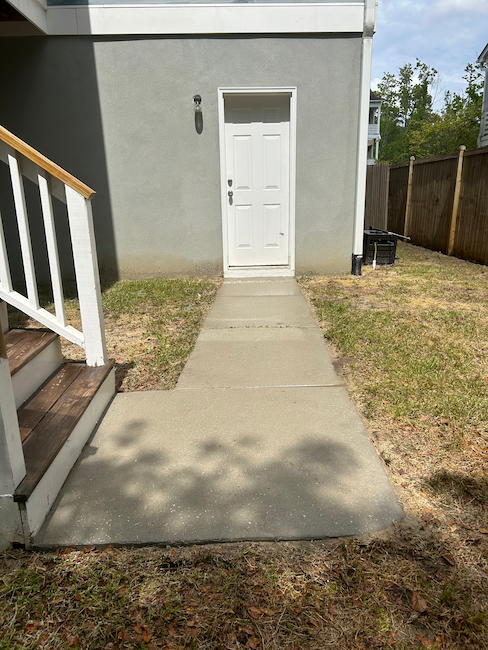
point(411, 342)
point(151, 327)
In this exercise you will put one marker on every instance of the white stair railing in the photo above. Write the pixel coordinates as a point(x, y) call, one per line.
point(24, 161)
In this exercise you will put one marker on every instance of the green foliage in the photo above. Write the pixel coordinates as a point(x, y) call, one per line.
point(410, 126)
point(408, 103)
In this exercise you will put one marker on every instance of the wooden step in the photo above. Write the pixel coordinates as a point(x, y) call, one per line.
point(33, 356)
point(48, 418)
point(24, 345)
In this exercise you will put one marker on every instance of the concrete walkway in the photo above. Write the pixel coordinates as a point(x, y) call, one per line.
point(259, 440)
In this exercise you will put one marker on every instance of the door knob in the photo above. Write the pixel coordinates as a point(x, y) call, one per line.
point(230, 193)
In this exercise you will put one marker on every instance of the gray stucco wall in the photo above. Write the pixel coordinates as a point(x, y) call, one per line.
point(119, 115)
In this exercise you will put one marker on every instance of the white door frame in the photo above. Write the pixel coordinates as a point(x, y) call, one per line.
point(259, 272)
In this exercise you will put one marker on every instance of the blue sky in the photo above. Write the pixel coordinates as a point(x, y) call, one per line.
point(445, 34)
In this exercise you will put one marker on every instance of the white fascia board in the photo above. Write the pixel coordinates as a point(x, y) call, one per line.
point(34, 10)
point(267, 18)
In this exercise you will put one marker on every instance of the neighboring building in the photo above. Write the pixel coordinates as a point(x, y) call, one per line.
point(264, 175)
point(483, 136)
point(374, 136)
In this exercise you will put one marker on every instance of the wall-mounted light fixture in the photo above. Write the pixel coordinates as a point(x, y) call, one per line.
point(197, 103)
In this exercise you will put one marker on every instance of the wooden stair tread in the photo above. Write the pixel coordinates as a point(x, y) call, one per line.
point(45, 434)
point(32, 412)
point(24, 345)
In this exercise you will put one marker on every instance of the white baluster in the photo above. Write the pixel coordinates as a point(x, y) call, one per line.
point(87, 277)
point(5, 278)
point(3, 317)
point(52, 246)
point(24, 233)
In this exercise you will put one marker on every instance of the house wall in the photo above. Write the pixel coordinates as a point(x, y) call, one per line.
point(118, 114)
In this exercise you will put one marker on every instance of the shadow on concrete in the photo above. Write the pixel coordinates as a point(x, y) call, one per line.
point(233, 485)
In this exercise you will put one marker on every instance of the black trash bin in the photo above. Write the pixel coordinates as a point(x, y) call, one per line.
point(379, 245)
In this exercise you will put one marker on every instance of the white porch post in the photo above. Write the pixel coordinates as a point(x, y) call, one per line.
point(3, 316)
point(87, 277)
point(370, 8)
point(12, 465)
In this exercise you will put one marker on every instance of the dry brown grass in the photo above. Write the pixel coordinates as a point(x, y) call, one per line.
point(411, 342)
point(151, 327)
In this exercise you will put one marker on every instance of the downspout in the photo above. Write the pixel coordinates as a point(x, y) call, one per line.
point(370, 13)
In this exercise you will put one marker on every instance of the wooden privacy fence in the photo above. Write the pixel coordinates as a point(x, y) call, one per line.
point(442, 203)
point(376, 208)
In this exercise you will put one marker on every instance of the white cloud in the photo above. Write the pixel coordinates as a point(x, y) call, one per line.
point(444, 34)
point(464, 6)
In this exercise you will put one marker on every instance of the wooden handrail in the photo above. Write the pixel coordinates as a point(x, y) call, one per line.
point(37, 158)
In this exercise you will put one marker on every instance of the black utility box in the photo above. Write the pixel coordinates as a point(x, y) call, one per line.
point(380, 245)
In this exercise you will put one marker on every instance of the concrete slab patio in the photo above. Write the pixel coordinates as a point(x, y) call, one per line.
point(258, 441)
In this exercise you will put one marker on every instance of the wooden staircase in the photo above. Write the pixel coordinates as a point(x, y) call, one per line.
point(47, 410)
point(58, 407)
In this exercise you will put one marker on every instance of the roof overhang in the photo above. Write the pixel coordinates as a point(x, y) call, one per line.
point(185, 19)
point(483, 57)
point(34, 10)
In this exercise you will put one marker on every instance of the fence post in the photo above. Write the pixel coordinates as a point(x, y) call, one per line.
point(455, 205)
point(408, 207)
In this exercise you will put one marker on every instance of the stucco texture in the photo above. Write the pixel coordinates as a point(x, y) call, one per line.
point(119, 114)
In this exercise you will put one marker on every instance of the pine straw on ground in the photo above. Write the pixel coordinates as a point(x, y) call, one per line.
point(410, 341)
point(393, 592)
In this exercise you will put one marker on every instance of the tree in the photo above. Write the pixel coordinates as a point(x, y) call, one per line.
point(458, 122)
point(408, 104)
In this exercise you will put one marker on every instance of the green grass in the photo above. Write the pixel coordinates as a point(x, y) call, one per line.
point(417, 332)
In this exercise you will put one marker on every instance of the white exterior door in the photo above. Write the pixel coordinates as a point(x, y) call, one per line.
point(257, 187)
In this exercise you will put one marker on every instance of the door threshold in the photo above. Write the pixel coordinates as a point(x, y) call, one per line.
point(259, 272)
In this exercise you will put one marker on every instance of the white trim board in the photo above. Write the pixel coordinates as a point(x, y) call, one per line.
point(258, 272)
point(269, 18)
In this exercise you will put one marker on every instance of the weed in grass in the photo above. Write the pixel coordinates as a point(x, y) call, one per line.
point(447, 594)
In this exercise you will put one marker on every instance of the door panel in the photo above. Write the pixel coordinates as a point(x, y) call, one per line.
point(243, 217)
point(257, 133)
point(271, 162)
point(272, 225)
point(242, 162)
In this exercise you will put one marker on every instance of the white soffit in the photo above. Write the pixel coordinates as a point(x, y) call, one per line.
point(34, 10)
point(269, 18)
